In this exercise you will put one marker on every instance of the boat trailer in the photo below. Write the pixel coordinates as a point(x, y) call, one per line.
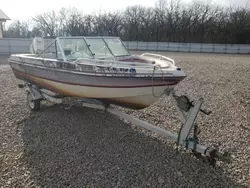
point(188, 111)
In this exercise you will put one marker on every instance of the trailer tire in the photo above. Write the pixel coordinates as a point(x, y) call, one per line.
point(34, 105)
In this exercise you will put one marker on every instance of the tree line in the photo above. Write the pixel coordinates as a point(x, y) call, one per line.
point(167, 21)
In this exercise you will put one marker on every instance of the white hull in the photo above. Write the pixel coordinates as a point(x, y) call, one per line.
point(141, 96)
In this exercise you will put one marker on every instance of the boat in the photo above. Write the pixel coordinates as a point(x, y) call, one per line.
point(97, 67)
point(101, 71)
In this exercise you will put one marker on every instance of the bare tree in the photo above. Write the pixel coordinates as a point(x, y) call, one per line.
point(134, 21)
point(169, 20)
point(48, 23)
point(18, 29)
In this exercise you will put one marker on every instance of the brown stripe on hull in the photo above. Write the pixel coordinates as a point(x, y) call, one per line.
point(39, 82)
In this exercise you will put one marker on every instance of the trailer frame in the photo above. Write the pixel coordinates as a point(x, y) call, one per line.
point(188, 112)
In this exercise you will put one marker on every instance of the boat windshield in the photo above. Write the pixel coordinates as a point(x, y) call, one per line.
point(98, 47)
point(107, 47)
point(116, 46)
point(73, 49)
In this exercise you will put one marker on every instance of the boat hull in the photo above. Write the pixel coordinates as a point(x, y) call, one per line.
point(131, 92)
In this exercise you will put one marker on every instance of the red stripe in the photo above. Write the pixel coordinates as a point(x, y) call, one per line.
point(89, 85)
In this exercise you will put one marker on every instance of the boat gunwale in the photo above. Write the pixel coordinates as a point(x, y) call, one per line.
point(88, 59)
point(94, 73)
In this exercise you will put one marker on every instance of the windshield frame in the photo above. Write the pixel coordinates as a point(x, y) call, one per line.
point(87, 39)
point(59, 43)
point(59, 39)
point(108, 46)
point(122, 45)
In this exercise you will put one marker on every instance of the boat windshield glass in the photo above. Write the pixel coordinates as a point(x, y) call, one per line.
point(74, 48)
point(116, 46)
point(106, 47)
point(98, 47)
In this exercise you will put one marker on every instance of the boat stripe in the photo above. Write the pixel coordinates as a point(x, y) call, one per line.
point(25, 75)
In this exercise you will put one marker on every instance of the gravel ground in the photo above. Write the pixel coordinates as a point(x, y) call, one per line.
point(4, 60)
point(80, 147)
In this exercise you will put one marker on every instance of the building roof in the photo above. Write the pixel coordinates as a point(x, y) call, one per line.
point(3, 16)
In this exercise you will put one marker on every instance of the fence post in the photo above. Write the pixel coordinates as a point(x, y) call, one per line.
point(9, 46)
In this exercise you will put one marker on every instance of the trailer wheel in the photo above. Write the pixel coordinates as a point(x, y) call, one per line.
point(34, 105)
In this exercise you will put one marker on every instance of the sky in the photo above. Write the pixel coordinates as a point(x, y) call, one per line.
point(25, 9)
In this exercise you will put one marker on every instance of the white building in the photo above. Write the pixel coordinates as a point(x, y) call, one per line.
point(3, 18)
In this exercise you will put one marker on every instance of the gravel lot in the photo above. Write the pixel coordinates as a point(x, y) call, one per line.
point(80, 147)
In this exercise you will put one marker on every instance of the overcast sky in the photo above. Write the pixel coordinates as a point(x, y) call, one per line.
point(25, 9)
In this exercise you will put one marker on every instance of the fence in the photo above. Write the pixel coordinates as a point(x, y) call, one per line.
point(18, 45)
point(189, 47)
